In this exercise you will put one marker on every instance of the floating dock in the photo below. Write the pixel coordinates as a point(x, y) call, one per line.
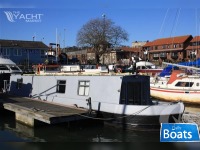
point(28, 111)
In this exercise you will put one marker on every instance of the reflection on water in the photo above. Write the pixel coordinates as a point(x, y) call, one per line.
point(12, 131)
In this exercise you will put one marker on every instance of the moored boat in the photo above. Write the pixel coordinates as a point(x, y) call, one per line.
point(121, 100)
point(181, 84)
point(7, 67)
point(148, 68)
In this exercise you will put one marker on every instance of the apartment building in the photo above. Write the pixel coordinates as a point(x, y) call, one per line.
point(172, 49)
point(193, 50)
point(23, 52)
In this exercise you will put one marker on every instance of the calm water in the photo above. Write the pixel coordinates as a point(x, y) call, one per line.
point(12, 131)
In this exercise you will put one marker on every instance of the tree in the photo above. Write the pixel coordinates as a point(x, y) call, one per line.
point(101, 34)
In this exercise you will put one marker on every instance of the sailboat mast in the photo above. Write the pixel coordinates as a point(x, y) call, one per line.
point(56, 46)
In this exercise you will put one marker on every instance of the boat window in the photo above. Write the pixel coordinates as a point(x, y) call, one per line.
point(19, 83)
point(184, 84)
point(197, 84)
point(61, 85)
point(14, 68)
point(143, 67)
point(83, 88)
point(3, 67)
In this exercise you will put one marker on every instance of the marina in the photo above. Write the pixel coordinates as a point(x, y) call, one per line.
point(65, 99)
point(99, 86)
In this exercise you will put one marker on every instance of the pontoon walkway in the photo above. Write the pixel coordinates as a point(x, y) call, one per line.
point(29, 110)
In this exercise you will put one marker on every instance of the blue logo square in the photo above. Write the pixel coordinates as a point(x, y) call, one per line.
point(179, 132)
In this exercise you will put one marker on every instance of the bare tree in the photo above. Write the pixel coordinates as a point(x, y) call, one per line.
point(101, 34)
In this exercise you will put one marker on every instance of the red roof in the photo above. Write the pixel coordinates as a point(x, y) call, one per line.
point(196, 39)
point(168, 41)
point(194, 47)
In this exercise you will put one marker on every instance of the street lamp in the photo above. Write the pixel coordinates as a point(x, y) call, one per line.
point(64, 41)
point(104, 39)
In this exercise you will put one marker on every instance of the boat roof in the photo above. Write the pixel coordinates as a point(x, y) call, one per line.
point(144, 63)
point(6, 61)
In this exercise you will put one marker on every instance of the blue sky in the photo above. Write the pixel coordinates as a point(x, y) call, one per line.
point(142, 19)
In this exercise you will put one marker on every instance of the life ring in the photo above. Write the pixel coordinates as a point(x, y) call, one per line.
point(119, 70)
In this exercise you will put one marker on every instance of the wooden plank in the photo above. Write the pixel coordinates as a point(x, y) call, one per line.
point(43, 111)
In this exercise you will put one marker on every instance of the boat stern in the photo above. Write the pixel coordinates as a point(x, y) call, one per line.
point(172, 113)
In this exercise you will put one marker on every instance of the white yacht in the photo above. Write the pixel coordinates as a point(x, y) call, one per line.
point(7, 67)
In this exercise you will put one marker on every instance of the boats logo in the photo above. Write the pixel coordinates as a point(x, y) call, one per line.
point(179, 132)
point(13, 16)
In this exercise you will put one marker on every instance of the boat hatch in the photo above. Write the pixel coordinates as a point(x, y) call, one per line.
point(135, 90)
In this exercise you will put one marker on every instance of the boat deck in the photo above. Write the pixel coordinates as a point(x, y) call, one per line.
point(28, 110)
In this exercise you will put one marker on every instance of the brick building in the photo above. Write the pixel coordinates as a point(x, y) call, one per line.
point(193, 50)
point(173, 49)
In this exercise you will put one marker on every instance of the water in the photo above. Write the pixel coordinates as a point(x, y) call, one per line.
point(12, 131)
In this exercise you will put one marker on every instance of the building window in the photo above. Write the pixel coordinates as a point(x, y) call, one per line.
point(168, 46)
point(17, 52)
point(83, 88)
point(61, 85)
point(155, 55)
point(156, 47)
point(19, 83)
point(175, 54)
point(163, 54)
point(42, 52)
point(175, 45)
point(194, 44)
point(6, 52)
point(147, 48)
point(164, 46)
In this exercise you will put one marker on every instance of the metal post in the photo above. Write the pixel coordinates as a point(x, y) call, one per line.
point(89, 104)
point(104, 39)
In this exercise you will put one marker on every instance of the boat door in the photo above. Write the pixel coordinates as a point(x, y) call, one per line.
point(135, 90)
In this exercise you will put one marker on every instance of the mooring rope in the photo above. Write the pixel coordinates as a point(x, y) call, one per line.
point(107, 119)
